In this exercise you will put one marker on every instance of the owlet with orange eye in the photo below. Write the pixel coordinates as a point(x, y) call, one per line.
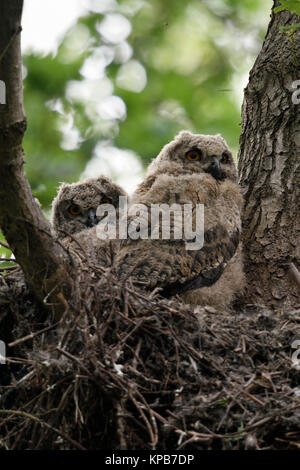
point(74, 212)
point(193, 171)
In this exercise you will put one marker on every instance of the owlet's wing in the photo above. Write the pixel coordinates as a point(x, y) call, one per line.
point(179, 264)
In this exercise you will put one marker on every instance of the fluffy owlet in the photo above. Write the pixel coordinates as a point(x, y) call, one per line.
point(74, 218)
point(192, 171)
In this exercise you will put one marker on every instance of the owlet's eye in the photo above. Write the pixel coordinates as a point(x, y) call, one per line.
point(193, 155)
point(225, 158)
point(74, 209)
point(106, 200)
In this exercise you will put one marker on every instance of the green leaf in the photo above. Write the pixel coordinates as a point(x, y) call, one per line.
point(292, 5)
point(223, 402)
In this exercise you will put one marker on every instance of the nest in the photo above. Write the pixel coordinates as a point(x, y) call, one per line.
point(125, 369)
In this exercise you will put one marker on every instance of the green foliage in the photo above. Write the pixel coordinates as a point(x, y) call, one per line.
point(179, 45)
point(189, 58)
point(4, 252)
point(292, 5)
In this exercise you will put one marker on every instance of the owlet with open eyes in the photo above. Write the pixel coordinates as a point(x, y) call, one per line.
point(192, 171)
point(74, 218)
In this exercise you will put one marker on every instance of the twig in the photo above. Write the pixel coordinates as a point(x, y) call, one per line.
point(11, 271)
point(121, 428)
point(77, 361)
point(43, 423)
point(45, 299)
point(294, 274)
point(8, 268)
point(62, 299)
point(8, 260)
point(292, 443)
point(86, 258)
point(78, 415)
point(138, 406)
point(252, 397)
point(32, 335)
point(5, 245)
point(123, 341)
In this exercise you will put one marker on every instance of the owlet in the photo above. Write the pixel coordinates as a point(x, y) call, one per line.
point(74, 218)
point(191, 245)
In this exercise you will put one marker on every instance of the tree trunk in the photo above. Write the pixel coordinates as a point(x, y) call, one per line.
point(28, 233)
point(269, 168)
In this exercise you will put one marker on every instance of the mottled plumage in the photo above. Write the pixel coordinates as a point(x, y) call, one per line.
point(192, 169)
point(74, 218)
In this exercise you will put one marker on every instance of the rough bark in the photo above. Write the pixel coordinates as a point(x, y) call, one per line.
point(269, 168)
point(22, 222)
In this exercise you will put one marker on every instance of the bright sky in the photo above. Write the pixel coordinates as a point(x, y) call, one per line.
point(46, 21)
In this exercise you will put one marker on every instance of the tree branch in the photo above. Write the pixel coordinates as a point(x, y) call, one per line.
point(26, 230)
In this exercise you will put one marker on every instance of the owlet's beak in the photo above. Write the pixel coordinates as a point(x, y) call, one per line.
point(214, 169)
point(92, 218)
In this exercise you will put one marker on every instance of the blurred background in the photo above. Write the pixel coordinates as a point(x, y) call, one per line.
point(107, 83)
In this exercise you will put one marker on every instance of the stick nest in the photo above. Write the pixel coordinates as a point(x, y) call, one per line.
point(125, 369)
